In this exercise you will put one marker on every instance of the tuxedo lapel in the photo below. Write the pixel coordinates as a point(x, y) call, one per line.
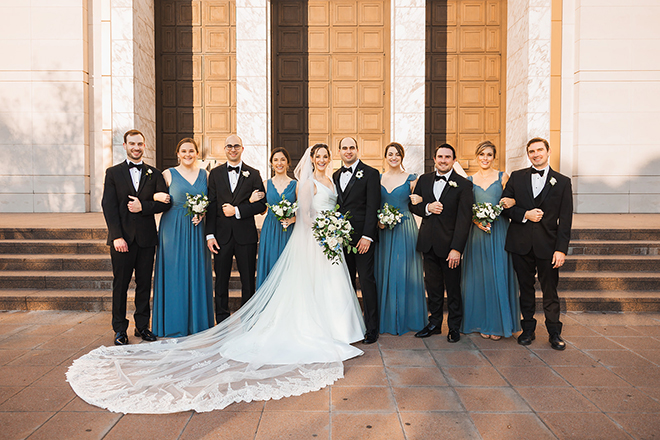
point(224, 176)
point(548, 185)
point(241, 178)
point(340, 193)
point(143, 178)
point(127, 175)
point(528, 184)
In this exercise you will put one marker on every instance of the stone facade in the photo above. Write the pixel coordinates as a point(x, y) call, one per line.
point(75, 75)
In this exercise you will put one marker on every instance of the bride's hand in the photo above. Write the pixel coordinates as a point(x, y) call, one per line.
point(256, 196)
point(415, 199)
point(162, 197)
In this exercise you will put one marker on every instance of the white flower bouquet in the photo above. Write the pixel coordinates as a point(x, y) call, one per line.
point(486, 213)
point(196, 204)
point(283, 210)
point(332, 231)
point(389, 216)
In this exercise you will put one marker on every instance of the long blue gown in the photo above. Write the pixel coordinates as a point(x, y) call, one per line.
point(273, 236)
point(399, 270)
point(488, 284)
point(183, 281)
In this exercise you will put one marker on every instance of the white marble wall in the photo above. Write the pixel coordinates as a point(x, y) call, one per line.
point(528, 77)
point(616, 109)
point(408, 79)
point(253, 80)
point(44, 112)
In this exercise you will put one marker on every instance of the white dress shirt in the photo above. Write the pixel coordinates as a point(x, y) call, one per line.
point(233, 177)
point(345, 177)
point(438, 187)
point(538, 182)
point(135, 173)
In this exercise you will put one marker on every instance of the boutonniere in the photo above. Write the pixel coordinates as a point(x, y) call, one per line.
point(553, 181)
point(359, 174)
point(452, 183)
point(149, 173)
point(246, 174)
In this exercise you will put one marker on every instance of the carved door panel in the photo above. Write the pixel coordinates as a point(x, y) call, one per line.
point(465, 77)
point(333, 56)
point(195, 75)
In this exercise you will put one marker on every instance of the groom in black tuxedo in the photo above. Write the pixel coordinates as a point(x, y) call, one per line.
point(129, 208)
point(446, 211)
point(538, 237)
point(230, 227)
point(358, 191)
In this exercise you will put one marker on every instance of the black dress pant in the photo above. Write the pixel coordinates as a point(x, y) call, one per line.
point(526, 267)
point(246, 262)
point(140, 260)
point(438, 277)
point(363, 265)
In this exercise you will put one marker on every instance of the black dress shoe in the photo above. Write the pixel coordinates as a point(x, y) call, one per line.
point(145, 334)
point(370, 338)
point(557, 342)
point(428, 331)
point(453, 336)
point(526, 338)
point(121, 338)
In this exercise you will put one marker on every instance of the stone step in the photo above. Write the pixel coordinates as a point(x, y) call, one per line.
point(82, 246)
point(51, 262)
point(73, 280)
point(612, 263)
point(101, 300)
point(614, 247)
point(609, 281)
point(616, 234)
point(53, 233)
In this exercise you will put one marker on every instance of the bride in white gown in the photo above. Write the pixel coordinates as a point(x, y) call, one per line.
point(289, 339)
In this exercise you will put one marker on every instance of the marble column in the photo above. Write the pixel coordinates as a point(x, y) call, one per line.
point(528, 77)
point(408, 80)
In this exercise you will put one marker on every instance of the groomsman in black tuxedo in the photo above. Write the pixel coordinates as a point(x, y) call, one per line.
point(538, 237)
point(358, 191)
point(446, 212)
point(230, 227)
point(129, 208)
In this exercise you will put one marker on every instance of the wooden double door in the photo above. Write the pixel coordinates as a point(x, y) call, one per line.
point(331, 74)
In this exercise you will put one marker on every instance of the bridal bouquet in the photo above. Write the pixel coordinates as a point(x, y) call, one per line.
point(283, 210)
point(196, 204)
point(332, 231)
point(486, 213)
point(389, 216)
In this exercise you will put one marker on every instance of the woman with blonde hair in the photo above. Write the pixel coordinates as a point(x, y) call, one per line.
point(489, 285)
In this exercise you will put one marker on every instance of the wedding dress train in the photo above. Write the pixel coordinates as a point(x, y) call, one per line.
point(289, 339)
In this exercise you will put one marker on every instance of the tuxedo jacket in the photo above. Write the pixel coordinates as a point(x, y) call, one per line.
point(449, 229)
point(141, 226)
point(553, 232)
point(362, 198)
point(223, 228)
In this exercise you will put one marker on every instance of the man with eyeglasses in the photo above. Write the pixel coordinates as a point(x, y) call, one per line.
point(230, 227)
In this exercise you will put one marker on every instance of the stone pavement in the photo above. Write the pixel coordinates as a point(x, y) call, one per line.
point(606, 385)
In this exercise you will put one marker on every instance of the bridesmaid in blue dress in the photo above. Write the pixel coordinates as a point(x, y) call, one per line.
point(489, 284)
point(398, 266)
point(273, 236)
point(183, 287)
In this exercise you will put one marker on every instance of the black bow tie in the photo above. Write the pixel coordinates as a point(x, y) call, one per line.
point(234, 169)
point(440, 178)
point(346, 170)
point(539, 172)
point(139, 166)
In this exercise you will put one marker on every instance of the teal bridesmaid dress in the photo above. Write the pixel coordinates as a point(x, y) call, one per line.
point(183, 281)
point(488, 284)
point(399, 270)
point(273, 237)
